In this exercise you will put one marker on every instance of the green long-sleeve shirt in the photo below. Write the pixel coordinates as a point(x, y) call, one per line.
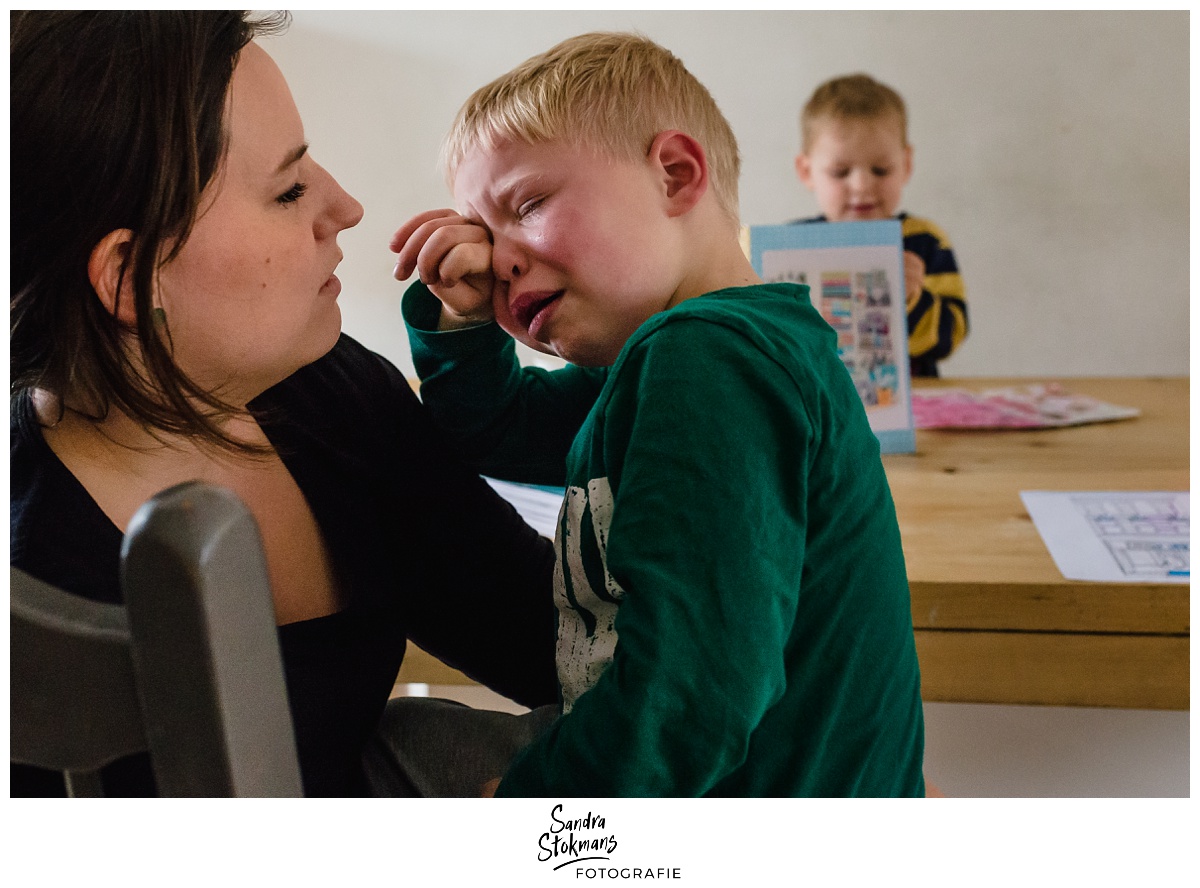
point(734, 616)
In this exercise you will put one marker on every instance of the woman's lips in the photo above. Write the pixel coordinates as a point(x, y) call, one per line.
point(332, 287)
point(532, 310)
point(333, 284)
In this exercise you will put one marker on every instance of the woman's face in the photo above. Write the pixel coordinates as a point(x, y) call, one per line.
point(252, 296)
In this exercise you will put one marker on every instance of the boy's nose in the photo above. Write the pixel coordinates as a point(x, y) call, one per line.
point(508, 260)
point(860, 180)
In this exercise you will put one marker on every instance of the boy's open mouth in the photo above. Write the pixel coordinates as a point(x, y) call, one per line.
point(527, 309)
point(862, 208)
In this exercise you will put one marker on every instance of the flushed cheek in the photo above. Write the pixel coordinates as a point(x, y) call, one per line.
point(590, 258)
point(557, 240)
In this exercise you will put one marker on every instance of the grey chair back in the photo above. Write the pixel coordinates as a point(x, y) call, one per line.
point(187, 669)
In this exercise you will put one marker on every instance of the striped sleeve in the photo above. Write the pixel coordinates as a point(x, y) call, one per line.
point(937, 319)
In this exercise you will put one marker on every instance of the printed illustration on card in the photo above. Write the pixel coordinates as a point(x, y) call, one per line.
point(855, 275)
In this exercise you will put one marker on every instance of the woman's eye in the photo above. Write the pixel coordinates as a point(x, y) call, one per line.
point(293, 194)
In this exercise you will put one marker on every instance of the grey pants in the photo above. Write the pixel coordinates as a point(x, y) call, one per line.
point(430, 748)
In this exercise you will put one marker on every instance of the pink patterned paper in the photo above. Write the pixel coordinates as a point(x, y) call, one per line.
point(1030, 407)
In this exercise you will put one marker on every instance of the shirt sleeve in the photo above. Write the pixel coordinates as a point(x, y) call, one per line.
point(511, 422)
point(937, 319)
point(707, 445)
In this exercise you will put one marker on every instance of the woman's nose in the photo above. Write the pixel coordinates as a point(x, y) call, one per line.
point(341, 212)
point(349, 212)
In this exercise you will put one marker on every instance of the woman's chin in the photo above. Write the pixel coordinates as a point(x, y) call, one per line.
point(322, 341)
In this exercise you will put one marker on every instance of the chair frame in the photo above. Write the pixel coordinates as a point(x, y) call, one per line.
point(187, 669)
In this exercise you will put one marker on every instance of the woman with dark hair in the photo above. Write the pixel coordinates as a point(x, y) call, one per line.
point(174, 316)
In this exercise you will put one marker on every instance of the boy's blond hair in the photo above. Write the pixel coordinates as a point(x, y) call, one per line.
point(852, 97)
point(614, 92)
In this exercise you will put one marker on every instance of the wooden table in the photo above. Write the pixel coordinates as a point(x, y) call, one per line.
point(995, 620)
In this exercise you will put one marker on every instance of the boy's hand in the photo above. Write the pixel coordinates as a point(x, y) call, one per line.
point(914, 277)
point(453, 257)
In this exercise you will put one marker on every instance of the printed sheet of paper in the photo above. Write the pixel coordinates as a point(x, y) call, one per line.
point(539, 506)
point(855, 275)
point(1115, 536)
point(1026, 407)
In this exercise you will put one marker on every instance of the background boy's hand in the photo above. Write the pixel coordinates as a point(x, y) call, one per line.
point(453, 257)
point(914, 277)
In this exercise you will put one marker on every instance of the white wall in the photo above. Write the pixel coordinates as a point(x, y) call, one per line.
point(1053, 148)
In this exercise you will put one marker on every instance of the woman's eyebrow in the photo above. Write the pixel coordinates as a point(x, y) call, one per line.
point(293, 158)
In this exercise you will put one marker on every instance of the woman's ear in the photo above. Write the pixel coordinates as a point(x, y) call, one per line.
point(681, 162)
point(108, 270)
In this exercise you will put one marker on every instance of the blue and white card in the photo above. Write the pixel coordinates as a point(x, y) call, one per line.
point(855, 275)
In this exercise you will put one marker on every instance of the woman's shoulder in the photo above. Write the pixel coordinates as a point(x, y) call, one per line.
point(56, 531)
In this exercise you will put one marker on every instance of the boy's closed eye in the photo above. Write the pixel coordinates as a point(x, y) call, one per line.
point(529, 207)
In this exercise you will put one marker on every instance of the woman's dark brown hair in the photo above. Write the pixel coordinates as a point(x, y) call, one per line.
point(117, 121)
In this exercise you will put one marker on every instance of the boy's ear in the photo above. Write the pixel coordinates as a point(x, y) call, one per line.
point(108, 269)
point(804, 170)
point(681, 162)
point(908, 163)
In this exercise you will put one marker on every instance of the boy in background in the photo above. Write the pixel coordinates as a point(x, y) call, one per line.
point(733, 609)
point(855, 158)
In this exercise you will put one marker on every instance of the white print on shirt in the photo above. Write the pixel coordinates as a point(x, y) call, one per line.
point(583, 656)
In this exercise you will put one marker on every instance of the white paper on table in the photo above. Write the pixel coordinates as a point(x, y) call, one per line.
point(1115, 536)
point(538, 505)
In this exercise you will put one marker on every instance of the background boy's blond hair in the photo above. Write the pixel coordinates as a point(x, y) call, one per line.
point(852, 97)
point(610, 91)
